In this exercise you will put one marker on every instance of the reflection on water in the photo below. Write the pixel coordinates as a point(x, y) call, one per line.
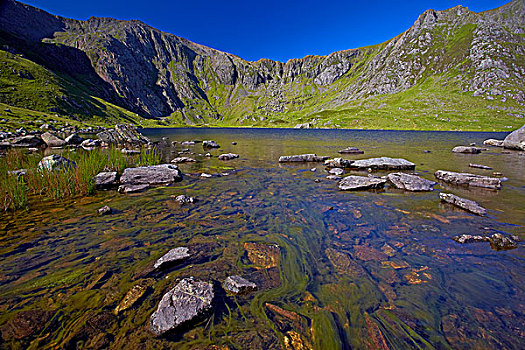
point(356, 270)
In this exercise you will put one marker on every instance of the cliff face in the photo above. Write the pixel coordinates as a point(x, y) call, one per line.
point(157, 74)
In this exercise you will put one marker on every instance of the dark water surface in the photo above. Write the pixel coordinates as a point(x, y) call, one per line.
point(355, 270)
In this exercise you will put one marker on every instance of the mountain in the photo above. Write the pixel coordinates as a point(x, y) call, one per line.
point(453, 69)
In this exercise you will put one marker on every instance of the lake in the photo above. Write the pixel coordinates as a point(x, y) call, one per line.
point(373, 269)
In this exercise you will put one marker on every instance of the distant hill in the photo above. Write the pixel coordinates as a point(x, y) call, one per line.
point(451, 70)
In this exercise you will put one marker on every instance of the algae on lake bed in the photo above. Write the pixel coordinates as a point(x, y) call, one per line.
point(367, 270)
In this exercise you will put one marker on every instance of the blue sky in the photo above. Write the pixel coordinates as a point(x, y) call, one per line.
point(278, 30)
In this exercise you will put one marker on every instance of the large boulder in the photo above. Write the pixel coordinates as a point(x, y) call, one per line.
point(123, 135)
point(152, 175)
point(516, 139)
point(383, 163)
point(463, 203)
point(353, 182)
point(303, 158)
point(186, 302)
point(468, 179)
point(410, 182)
point(52, 140)
point(55, 162)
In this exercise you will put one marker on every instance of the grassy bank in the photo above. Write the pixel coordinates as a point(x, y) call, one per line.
point(44, 184)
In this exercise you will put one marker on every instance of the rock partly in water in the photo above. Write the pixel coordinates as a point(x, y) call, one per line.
point(105, 210)
point(303, 126)
point(133, 188)
point(106, 180)
point(90, 144)
point(186, 302)
point(383, 163)
point(334, 177)
point(463, 203)
point(133, 295)
point(123, 135)
point(338, 163)
point(175, 255)
point(493, 142)
point(55, 162)
point(516, 139)
point(466, 149)
point(470, 239)
point(479, 166)
point(302, 158)
point(206, 175)
point(353, 182)
point(336, 171)
point(210, 144)
point(228, 156)
point(183, 199)
point(52, 140)
point(74, 139)
point(500, 242)
point(468, 179)
point(410, 182)
point(351, 150)
point(183, 160)
point(27, 141)
point(238, 285)
point(152, 175)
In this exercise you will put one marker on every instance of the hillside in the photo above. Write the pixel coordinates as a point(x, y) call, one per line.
point(452, 70)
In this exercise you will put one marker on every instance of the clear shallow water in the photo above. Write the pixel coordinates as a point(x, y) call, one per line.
point(370, 269)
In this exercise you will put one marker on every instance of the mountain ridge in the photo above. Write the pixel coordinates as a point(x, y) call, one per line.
point(161, 76)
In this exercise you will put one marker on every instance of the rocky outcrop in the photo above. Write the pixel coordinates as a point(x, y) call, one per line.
point(238, 285)
point(353, 182)
point(186, 302)
point(151, 175)
point(175, 255)
point(383, 163)
point(302, 158)
point(123, 135)
point(516, 139)
point(336, 171)
point(467, 179)
point(55, 162)
point(463, 203)
point(410, 182)
point(466, 149)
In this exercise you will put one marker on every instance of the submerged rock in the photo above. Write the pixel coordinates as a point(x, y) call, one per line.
point(105, 210)
point(183, 160)
point(338, 163)
point(238, 285)
point(516, 139)
point(303, 158)
point(493, 142)
point(52, 140)
point(466, 149)
point(351, 150)
point(383, 163)
point(152, 175)
point(133, 295)
point(186, 302)
point(55, 162)
point(228, 156)
point(25, 323)
point(353, 182)
point(468, 179)
point(500, 242)
point(410, 182)
point(263, 255)
point(106, 180)
point(132, 188)
point(463, 203)
point(183, 199)
point(210, 144)
point(173, 256)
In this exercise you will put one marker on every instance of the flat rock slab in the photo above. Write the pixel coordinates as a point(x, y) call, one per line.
point(183, 160)
point(228, 156)
point(353, 182)
point(410, 182)
point(351, 150)
point(106, 179)
point(175, 255)
point(338, 163)
point(468, 179)
point(151, 175)
point(336, 171)
point(183, 199)
point(516, 139)
point(238, 285)
point(463, 203)
point(466, 149)
point(479, 166)
point(383, 163)
point(302, 158)
point(52, 140)
point(186, 302)
point(132, 188)
point(493, 142)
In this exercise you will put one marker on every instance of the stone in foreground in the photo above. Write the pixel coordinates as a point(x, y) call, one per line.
point(106, 179)
point(151, 175)
point(383, 163)
point(238, 285)
point(186, 302)
point(463, 203)
point(302, 158)
point(468, 179)
point(353, 182)
point(516, 139)
point(228, 156)
point(175, 255)
point(54, 162)
point(466, 149)
point(410, 182)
